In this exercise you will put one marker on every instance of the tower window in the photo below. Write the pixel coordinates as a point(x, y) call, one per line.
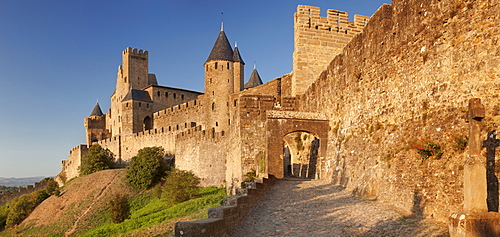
point(228, 66)
point(235, 102)
point(182, 97)
point(125, 79)
point(213, 106)
point(139, 104)
point(158, 93)
point(175, 95)
point(166, 94)
point(216, 64)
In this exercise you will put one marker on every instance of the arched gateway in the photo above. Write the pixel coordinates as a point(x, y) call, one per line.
point(282, 127)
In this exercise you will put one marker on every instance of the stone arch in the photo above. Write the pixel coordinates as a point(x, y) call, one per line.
point(147, 123)
point(279, 125)
point(300, 154)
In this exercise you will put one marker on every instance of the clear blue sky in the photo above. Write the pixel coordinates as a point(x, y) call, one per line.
point(59, 57)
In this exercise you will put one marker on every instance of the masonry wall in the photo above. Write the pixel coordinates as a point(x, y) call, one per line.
point(204, 152)
point(407, 77)
point(316, 39)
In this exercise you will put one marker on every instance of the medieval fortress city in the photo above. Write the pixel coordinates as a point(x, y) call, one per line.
point(365, 100)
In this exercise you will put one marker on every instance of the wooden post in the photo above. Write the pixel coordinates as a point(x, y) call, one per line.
point(475, 185)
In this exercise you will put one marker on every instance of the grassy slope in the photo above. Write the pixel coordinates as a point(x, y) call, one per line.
point(82, 209)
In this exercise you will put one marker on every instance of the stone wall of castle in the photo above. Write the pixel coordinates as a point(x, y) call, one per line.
point(316, 40)
point(409, 77)
point(9, 196)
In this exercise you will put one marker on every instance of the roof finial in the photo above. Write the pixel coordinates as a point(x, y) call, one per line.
point(236, 44)
point(254, 64)
point(222, 25)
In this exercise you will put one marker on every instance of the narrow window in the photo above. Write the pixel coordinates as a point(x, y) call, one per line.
point(126, 105)
point(139, 104)
point(182, 97)
point(216, 64)
point(177, 126)
point(185, 125)
point(228, 66)
point(235, 102)
point(159, 93)
point(125, 79)
point(229, 121)
point(175, 95)
point(213, 106)
point(166, 94)
point(216, 124)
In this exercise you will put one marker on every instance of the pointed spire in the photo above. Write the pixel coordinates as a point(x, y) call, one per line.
point(222, 50)
point(97, 110)
point(222, 21)
point(236, 55)
point(254, 80)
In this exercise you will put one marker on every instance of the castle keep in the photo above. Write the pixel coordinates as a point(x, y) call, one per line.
point(362, 99)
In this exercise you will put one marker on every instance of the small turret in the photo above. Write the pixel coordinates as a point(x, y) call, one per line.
point(96, 111)
point(254, 80)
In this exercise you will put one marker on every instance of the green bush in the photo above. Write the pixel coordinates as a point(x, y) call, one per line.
point(179, 186)
point(427, 148)
point(96, 159)
point(119, 208)
point(52, 187)
point(15, 211)
point(146, 168)
point(4, 212)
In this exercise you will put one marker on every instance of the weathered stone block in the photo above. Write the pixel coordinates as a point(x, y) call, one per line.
point(210, 227)
point(474, 224)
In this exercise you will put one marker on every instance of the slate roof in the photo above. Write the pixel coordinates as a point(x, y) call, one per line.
point(222, 49)
point(136, 94)
point(237, 56)
point(254, 80)
point(97, 110)
point(152, 79)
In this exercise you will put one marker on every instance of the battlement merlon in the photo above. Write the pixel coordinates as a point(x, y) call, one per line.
point(136, 52)
point(333, 17)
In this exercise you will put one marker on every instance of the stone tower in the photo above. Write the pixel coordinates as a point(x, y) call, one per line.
point(129, 102)
point(317, 40)
point(95, 126)
point(223, 76)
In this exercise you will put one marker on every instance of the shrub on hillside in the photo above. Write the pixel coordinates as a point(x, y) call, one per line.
point(15, 211)
point(96, 159)
point(4, 212)
point(119, 208)
point(52, 187)
point(180, 186)
point(146, 168)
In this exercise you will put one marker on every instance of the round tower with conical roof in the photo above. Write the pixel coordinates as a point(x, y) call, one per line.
point(223, 77)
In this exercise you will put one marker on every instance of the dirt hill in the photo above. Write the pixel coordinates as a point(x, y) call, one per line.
point(76, 210)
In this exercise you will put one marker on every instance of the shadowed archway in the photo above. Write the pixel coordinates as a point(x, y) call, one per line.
point(282, 123)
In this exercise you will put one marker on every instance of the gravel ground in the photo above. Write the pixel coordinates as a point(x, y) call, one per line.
point(314, 208)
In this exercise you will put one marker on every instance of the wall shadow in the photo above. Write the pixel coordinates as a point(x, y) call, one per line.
point(491, 143)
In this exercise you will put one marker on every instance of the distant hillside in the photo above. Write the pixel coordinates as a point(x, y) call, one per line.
point(16, 182)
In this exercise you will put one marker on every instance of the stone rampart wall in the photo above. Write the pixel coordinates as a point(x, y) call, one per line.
point(9, 196)
point(204, 153)
point(406, 78)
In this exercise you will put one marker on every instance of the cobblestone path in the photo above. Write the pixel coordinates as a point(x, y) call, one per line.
point(316, 208)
